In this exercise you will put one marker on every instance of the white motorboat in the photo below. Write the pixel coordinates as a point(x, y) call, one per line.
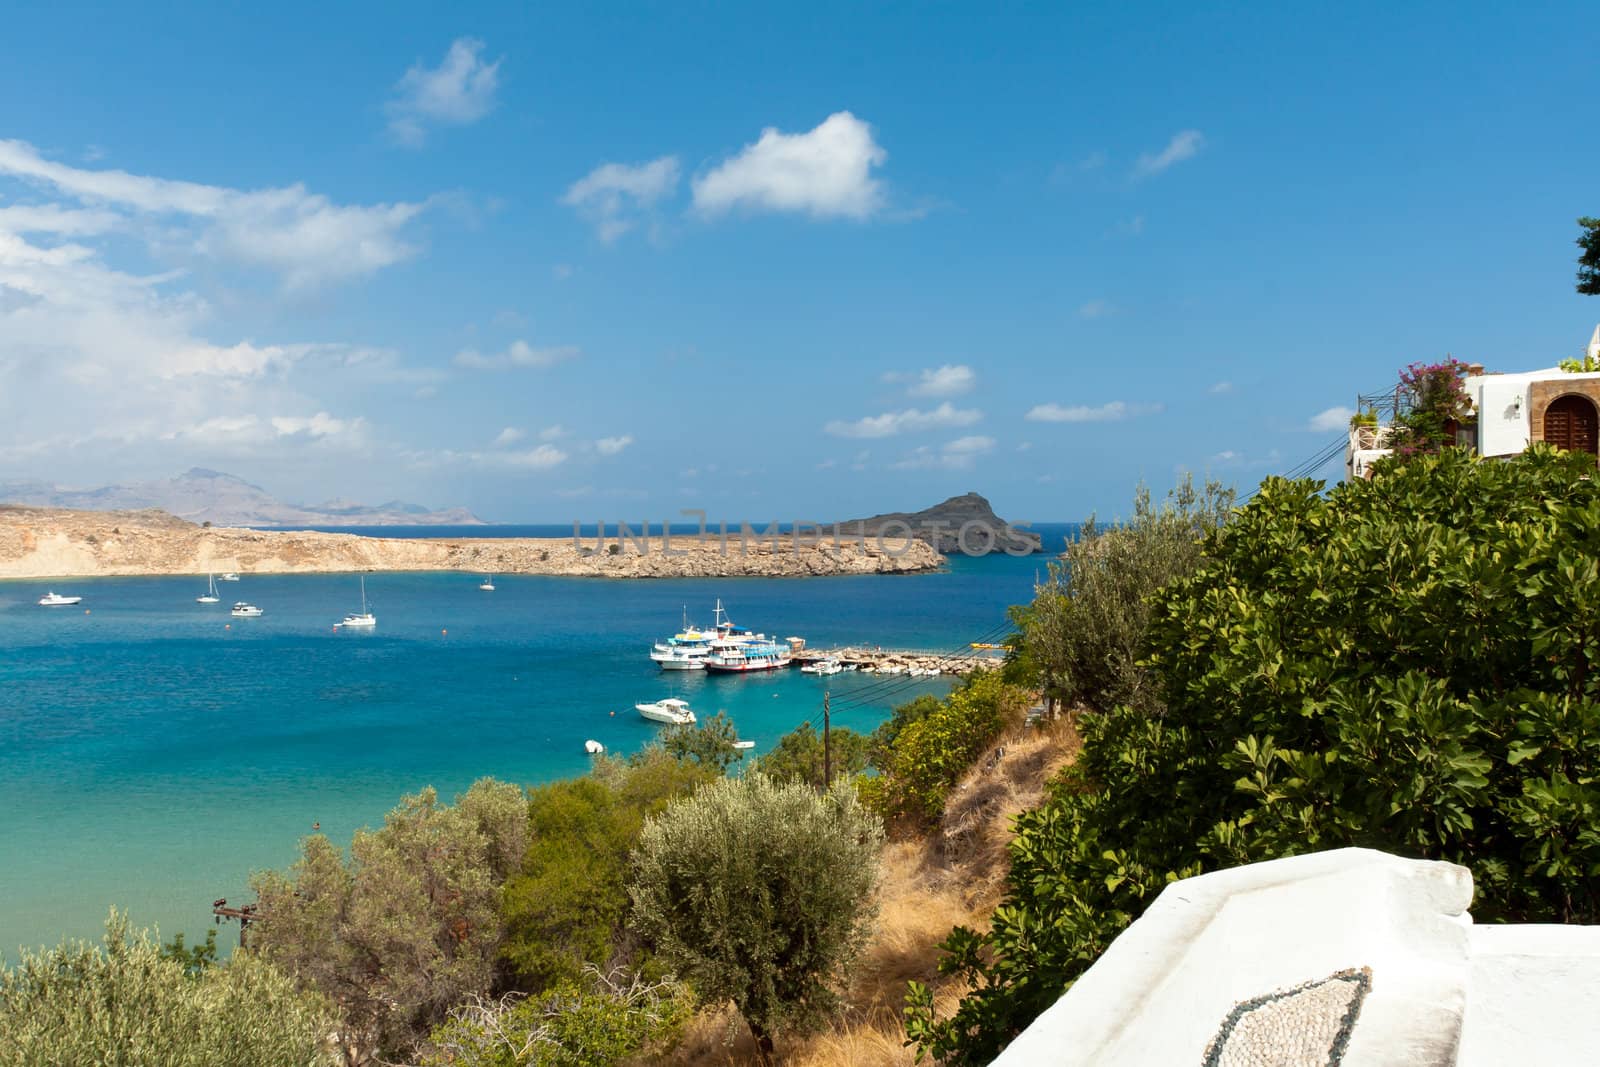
point(241, 610)
point(671, 711)
point(56, 600)
point(594, 748)
point(487, 585)
point(229, 577)
point(363, 619)
point(211, 592)
point(744, 746)
point(822, 666)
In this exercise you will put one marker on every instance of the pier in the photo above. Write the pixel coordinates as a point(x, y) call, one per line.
point(871, 659)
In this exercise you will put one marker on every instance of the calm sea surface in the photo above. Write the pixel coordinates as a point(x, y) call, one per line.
point(154, 751)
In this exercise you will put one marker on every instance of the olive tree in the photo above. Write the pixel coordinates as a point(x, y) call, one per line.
point(126, 1002)
point(407, 926)
point(761, 894)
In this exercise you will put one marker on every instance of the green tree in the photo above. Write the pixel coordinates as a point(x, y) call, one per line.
point(930, 754)
point(1084, 632)
point(1589, 261)
point(761, 894)
point(1407, 663)
point(600, 1021)
point(566, 907)
point(798, 756)
point(126, 1002)
point(708, 744)
point(410, 925)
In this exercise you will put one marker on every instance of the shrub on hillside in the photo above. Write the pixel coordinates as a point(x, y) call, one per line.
point(1083, 635)
point(761, 894)
point(125, 1002)
point(594, 1022)
point(1407, 664)
point(708, 744)
point(565, 908)
point(798, 756)
point(410, 924)
point(930, 753)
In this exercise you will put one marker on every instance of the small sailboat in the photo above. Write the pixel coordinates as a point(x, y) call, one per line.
point(56, 600)
point(211, 592)
point(363, 619)
point(241, 610)
point(487, 585)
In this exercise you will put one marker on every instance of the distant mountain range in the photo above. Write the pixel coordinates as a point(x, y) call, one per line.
point(941, 527)
point(201, 495)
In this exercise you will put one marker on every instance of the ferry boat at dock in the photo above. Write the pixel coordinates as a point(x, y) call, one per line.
point(755, 655)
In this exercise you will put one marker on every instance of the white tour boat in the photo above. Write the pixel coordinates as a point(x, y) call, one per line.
point(672, 711)
point(210, 596)
point(241, 610)
point(363, 619)
point(756, 655)
point(56, 600)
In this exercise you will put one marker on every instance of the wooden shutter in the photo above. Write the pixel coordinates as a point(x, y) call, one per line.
point(1570, 422)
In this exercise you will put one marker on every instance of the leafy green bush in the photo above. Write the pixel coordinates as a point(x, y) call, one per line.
point(931, 752)
point(411, 924)
point(598, 1022)
point(565, 909)
point(798, 756)
point(708, 744)
point(1407, 664)
point(1084, 633)
point(126, 1002)
point(761, 894)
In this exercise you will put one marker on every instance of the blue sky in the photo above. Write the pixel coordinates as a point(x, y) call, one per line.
point(777, 262)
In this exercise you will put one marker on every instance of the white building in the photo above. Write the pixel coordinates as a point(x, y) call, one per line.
point(1509, 412)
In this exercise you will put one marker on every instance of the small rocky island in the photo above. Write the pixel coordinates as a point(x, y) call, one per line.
point(963, 524)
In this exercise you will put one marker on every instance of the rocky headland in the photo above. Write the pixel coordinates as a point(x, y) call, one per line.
point(963, 524)
point(54, 542)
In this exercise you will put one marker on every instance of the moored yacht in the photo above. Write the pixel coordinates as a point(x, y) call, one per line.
point(823, 666)
point(56, 600)
point(363, 619)
point(210, 596)
point(487, 585)
point(229, 577)
point(241, 610)
point(671, 711)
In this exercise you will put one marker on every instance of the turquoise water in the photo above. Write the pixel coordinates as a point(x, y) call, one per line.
point(155, 751)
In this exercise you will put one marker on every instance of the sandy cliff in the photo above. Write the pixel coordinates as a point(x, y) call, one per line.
point(51, 542)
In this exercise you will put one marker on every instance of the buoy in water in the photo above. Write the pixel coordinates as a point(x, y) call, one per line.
point(613, 715)
point(594, 748)
point(227, 626)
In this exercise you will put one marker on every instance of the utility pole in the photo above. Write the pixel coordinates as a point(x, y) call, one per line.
point(827, 746)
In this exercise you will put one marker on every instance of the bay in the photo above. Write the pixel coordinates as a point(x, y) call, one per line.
point(154, 751)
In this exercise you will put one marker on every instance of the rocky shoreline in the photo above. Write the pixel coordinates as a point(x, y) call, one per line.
point(60, 543)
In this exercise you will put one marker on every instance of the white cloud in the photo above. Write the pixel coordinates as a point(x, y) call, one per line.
point(552, 433)
point(824, 173)
point(517, 354)
point(508, 436)
point(458, 92)
point(948, 380)
point(1115, 411)
point(1331, 419)
point(614, 195)
point(302, 235)
point(912, 419)
point(1184, 145)
point(52, 218)
point(241, 430)
point(960, 454)
point(1096, 309)
point(610, 446)
point(1220, 388)
point(542, 457)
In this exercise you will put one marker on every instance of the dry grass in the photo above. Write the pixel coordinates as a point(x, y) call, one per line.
point(952, 876)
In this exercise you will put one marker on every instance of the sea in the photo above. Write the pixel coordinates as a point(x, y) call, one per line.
point(155, 751)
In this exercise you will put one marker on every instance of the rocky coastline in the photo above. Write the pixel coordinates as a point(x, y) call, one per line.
point(61, 543)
